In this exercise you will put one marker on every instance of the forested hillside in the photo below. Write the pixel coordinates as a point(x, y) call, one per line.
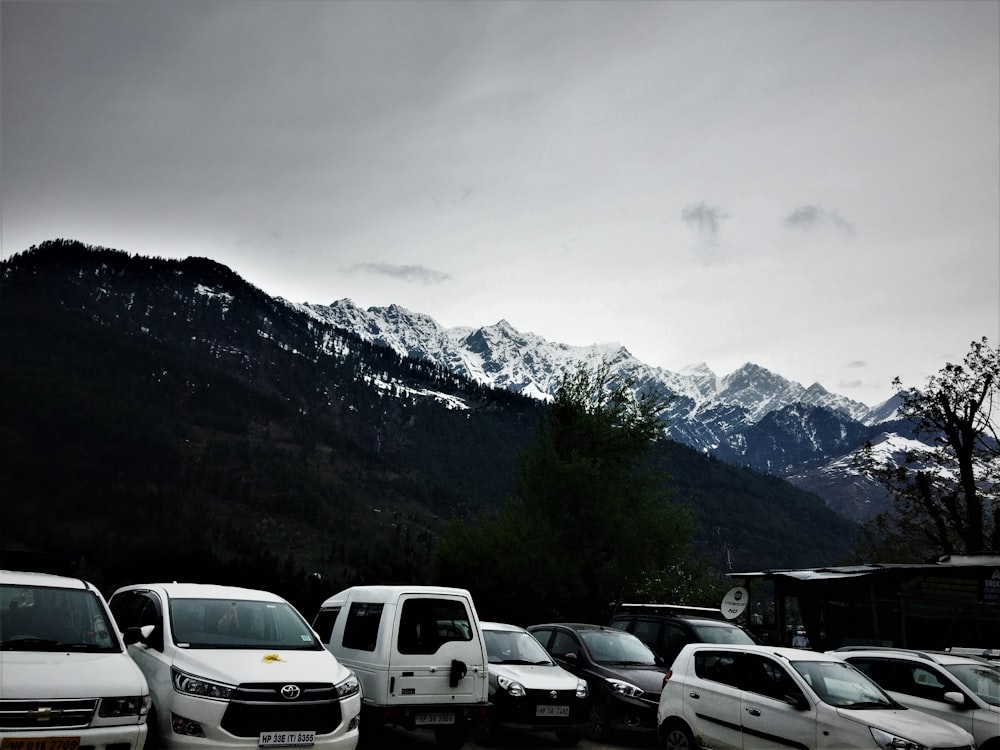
point(165, 419)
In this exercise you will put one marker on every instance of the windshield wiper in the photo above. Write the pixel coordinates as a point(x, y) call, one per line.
point(27, 641)
point(867, 704)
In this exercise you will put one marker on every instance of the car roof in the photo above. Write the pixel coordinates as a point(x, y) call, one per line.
point(204, 591)
point(937, 657)
point(503, 626)
point(390, 593)
point(785, 652)
point(577, 626)
point(28, 578)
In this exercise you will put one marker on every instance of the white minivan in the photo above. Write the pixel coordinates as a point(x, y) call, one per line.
point(232, 667)
point(65, 679)
point(418, 652)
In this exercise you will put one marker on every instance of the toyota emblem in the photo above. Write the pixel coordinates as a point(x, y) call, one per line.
point(290, 692)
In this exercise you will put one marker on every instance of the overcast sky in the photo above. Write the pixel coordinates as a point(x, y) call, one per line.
point(810, 186)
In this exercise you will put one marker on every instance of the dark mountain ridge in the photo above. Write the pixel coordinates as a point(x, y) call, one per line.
point(168, 417)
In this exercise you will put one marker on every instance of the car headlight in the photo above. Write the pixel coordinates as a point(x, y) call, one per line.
point(202, 688)
point(889, 741)
point(131, 705)
point(620, 687)
point(514, 689)
point(348, 687)
point(581, 689)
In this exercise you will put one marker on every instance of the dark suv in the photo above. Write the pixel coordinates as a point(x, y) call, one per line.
point(666, 629)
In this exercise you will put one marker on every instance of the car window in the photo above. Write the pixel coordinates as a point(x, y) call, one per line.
point(42, 618)
point(362, 625)
point(981, 679)
point(616, 647)
point(721, 633)
point(718, 666)
point(621, 623)
point(426, 623)
point(924, 683)
point(564, 643)
point(840, 685)
point(240, 624)
point(543, 635)
point(766, 677)
point(647, 631)
point(324, 621)
point(514, 647)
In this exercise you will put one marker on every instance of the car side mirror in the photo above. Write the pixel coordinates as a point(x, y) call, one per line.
point(132, 635)
point(955, 698)
point(571, 657)
point(797, 700)
point(149, 635)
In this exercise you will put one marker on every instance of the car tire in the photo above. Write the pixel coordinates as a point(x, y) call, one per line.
point(597, 722)
point(677, 737)
point(568, 737)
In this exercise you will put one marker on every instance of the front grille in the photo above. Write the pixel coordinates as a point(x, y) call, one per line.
point(261, 707)
point(55, 714)
point(525, 709)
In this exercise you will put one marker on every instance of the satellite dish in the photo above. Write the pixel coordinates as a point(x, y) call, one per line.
point(734, 602)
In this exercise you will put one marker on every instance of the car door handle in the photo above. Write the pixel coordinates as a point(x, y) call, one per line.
point(694, 695)
point(753, 712)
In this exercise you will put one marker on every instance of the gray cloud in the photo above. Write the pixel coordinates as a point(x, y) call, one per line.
point(410, 274)
point(809, 217)
point(703, 218)
point(857, 363)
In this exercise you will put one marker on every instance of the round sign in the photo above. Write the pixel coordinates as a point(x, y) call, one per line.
point(734, 602)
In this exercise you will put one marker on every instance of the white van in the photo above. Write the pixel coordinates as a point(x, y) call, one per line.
point(231, 667)
point(65, 679)
point(418, 652)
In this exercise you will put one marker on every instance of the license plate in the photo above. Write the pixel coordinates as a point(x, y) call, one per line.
point(552, 711)
point(285, 739)
point(40, 743)
point(430, 718)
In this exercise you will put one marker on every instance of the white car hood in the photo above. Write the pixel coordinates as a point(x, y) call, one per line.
point(28, 675)
point(913, 725)
point(234, 666)
point(536, 676)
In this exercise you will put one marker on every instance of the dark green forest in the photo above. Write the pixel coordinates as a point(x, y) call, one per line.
point(152, 432)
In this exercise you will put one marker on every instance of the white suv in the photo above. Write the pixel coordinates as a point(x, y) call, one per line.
point(962, 689)
point(65, 679)
point(731, 697)
point(235, 668)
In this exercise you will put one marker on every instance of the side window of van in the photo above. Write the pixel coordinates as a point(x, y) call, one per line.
point(361, 628)
point(323, 623)
point(427, 623)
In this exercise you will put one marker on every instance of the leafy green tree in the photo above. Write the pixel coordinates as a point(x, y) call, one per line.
point(946, 498)
point(590, 523)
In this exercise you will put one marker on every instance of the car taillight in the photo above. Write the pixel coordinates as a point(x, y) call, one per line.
point(667, 675)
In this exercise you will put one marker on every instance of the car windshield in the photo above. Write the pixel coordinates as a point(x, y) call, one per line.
point(841, 685)
point(239, 623)
point(43, 618)
point(721, 633)
point(514, 647)
point(616, 647)
point(981, 679)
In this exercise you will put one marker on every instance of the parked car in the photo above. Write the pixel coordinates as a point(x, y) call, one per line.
point(528, 690)
point(741, 697)
point(962, 689)
point(234, 667)
point(419, 654)
point(666, 629)
point(623, 676)
point(65, 679)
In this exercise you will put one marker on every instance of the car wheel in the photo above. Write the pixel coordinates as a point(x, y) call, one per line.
point(450, 738)
point(597, 722)
point(568, 737)
point(486, 733)
point(678, 737)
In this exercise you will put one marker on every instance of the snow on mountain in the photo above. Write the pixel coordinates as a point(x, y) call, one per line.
point(503, 357)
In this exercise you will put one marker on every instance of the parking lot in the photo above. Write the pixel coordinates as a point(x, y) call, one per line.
point(400, 740)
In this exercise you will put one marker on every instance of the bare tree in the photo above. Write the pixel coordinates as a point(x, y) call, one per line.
point(946, 498)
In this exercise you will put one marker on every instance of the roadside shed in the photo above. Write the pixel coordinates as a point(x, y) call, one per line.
point(954, 602)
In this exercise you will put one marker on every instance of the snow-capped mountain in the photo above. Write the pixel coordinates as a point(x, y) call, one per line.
point(752, 416)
